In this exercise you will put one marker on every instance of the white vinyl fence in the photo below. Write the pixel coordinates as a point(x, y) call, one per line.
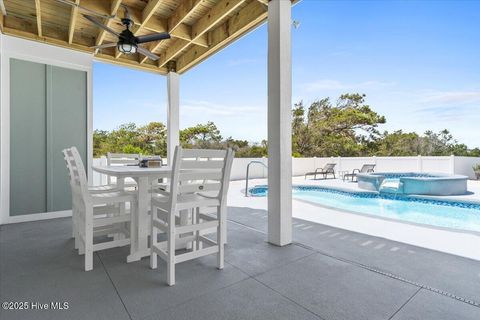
point(300, 166)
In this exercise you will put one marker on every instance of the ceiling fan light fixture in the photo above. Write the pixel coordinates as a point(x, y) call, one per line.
point(127, 48)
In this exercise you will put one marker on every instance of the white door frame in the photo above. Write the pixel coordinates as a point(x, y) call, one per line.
point(11, 47)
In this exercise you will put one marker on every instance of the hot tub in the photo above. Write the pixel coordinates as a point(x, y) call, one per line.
point(437, 184)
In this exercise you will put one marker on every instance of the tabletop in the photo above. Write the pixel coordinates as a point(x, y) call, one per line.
point(133, 171)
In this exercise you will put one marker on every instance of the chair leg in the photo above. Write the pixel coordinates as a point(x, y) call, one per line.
point(89, 239)
point(75, 226)
point(74, 223)
point(88, 259)
point(220, 238)
point(171, 250)
point(153, 241)
point(80, 233)
point(224, 230)
point(197, 233)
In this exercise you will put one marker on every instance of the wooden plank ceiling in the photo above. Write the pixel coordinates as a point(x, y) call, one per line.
point(198, 28)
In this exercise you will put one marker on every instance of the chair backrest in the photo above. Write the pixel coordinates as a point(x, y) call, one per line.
point(65, 153)
point(329, 166)
point(78, 175)
point(367, 168)
point(200, 171)
point(121, 159)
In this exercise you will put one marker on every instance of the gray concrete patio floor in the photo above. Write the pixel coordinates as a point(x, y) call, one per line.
point(327, 273)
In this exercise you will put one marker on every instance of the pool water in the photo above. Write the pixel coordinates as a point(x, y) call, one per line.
point(456, 215)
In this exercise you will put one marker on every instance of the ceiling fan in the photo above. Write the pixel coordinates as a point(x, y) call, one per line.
point(127, 42)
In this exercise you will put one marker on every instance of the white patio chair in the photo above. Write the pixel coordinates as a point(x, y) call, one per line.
point(122, 159)
point(194, 172)
point(91, 221)
point(98, 210)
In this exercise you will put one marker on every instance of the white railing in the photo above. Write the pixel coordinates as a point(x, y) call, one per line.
point(300, 166)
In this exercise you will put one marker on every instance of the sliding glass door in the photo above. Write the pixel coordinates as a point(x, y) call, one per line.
point(48, 112)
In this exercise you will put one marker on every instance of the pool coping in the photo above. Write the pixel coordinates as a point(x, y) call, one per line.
point(386, 196)
point(428, 226)
point(349, 191)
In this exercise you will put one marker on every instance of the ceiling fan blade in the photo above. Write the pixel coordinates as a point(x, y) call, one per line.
point(101, 25)
point(153, 37)
point(105, 45)
point(147, 53)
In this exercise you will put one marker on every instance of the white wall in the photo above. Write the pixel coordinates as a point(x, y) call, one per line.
point(463, 165)
point(11, 47)
point(300, 166)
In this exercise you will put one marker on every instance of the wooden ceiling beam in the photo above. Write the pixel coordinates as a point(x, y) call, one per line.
point(73, 21)
point(3, 11)
point(45, 39)
point(149, 10)
point(204, 24)
point(182, 12)
point(130, 63)
point(147, 13)
point(1, 21)
point(103, 57)
point(38, 13)
point(184, 32)
point(175, 22)
point(245, 20)
point(114, 5)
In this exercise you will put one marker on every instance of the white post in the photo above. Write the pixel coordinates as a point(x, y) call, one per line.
point(279, 123)
point(419, 163)
point(173, 114)
point(452, 164)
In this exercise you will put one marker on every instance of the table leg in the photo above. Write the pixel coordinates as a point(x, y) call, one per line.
point(139, 247)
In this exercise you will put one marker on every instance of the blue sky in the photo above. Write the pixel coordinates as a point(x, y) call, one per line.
point(418, 62)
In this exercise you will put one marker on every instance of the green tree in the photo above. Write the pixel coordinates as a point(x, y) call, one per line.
point(397, 143)
point(204, 136)
point(334, 130)
point(347, 128)
point(153, 138)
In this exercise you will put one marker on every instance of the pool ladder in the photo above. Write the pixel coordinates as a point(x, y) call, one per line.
point(248, 173)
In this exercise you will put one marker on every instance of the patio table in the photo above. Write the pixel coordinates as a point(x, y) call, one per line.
point(143, 177)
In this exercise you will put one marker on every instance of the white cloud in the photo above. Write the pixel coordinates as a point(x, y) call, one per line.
point(205, 108)
point(451, 97)
point(326, 84)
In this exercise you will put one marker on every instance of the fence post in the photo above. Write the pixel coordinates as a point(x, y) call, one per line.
point(339, 159)
point(452, 164)
point(375, 162)
point(420, 163)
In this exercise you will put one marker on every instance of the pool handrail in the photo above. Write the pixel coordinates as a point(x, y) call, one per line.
point(248, 172)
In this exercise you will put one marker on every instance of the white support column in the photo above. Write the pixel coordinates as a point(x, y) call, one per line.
point(173, 114)
point(279, 123)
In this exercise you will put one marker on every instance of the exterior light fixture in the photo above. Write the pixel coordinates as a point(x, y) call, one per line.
point(127, 48)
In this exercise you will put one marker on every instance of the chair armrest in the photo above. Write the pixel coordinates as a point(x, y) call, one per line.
point(356, 170)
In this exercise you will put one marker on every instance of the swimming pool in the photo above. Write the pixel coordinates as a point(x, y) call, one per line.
point(445, 214)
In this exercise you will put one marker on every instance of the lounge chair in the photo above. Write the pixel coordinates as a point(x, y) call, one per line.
point(366, 168)
point(327, 169)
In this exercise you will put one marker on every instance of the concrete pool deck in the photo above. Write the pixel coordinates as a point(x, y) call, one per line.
point(449, 241)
